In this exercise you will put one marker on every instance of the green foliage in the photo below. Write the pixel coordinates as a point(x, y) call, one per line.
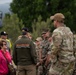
point(39, 26)
point(28, 10)
point(11, 25)
point(67, 7)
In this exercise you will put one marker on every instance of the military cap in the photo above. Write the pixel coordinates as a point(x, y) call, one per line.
point(25, 29)
point(57, 16)
point(38, 39)
point(45, 31)
point(3, 33)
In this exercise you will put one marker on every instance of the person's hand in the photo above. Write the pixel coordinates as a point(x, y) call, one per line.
point(38, 64)
point(41, 61)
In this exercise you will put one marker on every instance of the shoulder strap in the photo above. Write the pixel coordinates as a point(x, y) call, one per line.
point(5, 57)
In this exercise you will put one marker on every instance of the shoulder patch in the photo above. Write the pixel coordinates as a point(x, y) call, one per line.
point(22, 45)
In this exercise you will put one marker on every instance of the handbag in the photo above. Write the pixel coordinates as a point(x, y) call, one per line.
point(12, 70)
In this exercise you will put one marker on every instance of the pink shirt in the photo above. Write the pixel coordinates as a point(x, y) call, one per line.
point(3, 62)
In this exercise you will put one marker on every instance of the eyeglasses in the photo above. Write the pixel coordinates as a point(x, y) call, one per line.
point(5, 44)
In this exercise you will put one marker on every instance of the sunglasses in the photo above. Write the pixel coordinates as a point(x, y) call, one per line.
point(5, 44)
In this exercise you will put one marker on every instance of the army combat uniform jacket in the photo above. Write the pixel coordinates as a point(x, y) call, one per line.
point(62, 57)
point(74, 44)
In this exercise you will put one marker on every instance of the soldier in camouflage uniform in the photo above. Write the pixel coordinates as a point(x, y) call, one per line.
point(62, 57)
point(46, 49)
point(74, 73)
point(38, 52)
point(75, 44)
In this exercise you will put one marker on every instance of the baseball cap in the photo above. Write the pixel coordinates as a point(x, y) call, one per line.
point(45, 31)
point(25, 29)
point(57, 16)
point(3, 33)
point(39, 39)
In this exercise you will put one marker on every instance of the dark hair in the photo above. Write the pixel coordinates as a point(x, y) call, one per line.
point(25, 29)
point(1, 42)
point(24, 32)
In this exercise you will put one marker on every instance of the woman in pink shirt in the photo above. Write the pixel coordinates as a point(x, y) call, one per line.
point(4, 54)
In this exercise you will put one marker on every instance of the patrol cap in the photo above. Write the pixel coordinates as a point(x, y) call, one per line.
point(57, 16)
point(38, 39)
point(45, 31)
point(3, 33)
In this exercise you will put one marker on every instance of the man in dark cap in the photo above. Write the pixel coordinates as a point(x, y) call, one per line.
point(4, 35)
point(24, 31)
point(24, 55)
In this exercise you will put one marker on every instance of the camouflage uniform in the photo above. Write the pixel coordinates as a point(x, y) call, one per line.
point(62, 57)
point(39, 67)
point(46, 49)
point(74, 73)
point(75, 44)
point(38, 52)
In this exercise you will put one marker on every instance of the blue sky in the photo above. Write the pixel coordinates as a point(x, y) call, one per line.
point(5, 1)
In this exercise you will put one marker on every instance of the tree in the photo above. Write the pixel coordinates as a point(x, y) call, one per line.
point(11, 25)
point(39, 26)
point(28, 10)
